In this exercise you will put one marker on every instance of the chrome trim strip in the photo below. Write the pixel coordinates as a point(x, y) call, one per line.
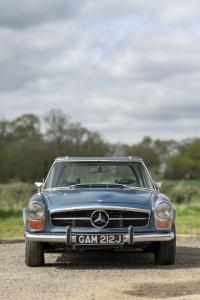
point(100, 159)
point(61, 238)
point(24, 211)
point(154, 237)
point(98, 207)
point(128, 219)
point(73, 219)
point(87, 219)
point(131, 235)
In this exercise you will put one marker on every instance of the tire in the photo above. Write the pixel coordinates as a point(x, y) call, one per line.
point(165, 252)
point(34, 254)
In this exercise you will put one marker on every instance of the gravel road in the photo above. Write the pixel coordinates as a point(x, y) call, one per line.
point(101, 275)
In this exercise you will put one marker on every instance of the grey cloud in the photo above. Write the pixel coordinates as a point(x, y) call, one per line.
point(125, 69)
point(22, 13)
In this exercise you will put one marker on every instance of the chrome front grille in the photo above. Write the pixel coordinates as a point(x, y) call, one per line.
point(117, 218)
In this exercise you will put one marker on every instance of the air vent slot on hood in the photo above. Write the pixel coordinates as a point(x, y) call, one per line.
point(98, 185)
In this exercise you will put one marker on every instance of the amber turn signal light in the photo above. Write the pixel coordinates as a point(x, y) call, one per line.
point(163, 224)
point(35, 224)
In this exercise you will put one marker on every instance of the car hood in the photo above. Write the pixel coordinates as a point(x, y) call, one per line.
point(61, 199)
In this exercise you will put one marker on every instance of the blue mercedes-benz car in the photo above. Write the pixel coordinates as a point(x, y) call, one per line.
point(99, 203)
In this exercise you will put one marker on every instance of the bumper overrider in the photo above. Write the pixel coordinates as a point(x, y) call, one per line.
point(69, 238)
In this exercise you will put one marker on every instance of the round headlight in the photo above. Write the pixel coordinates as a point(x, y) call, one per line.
point(36, 211)
point(163, 210)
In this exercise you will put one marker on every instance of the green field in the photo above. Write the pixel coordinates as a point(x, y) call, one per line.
point(14, 196)
point(188, 182)
point(11, 226)
point(188, 219)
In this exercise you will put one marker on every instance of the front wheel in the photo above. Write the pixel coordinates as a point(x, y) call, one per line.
point(165, 252)
point(34, 254)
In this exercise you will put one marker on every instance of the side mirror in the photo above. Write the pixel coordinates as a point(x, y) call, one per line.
point(158, 185)
point(39, 184)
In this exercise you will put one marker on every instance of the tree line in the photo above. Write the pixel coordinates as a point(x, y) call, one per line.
point(29, 144)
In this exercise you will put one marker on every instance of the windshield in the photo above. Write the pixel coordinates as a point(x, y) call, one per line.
point(65, 174)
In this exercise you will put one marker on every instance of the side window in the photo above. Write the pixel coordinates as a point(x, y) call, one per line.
point(147, 179)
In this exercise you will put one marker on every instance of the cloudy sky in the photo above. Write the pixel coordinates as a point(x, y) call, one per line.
point(124, 68)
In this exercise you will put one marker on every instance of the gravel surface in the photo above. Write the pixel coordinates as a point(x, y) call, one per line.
point(101, 275)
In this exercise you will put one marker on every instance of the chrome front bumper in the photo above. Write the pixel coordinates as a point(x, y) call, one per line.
point(70, 239)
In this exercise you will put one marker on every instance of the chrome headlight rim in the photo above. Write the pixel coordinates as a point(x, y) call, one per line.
point(33, 214)
point(163, 210)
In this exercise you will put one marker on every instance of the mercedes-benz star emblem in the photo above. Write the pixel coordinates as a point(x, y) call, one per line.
point(99, 218)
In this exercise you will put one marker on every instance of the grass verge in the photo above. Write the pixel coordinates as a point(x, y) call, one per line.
point(11, 225)
point(188, 219)
point(13, 197)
